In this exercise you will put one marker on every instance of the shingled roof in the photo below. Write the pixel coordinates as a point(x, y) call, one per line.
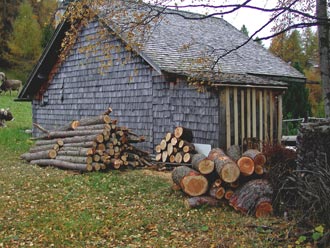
point(179, 40)
point(181, 43)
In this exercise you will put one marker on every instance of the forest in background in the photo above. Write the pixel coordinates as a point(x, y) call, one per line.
point(27, 25)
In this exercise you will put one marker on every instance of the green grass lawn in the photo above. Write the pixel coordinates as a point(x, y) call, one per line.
point(49, 207)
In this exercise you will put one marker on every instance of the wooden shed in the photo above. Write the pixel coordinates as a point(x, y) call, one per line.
point(148, 89)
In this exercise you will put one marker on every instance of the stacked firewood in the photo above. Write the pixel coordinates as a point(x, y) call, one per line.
point(176, 147)
point(91, 144)
point(217, 176)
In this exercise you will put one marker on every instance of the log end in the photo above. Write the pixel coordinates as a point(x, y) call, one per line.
point(246, 166)
point(194, 185)
point(230, 172)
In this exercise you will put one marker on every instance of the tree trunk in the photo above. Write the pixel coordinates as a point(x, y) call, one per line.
point(199, 201)
point(62, 164)
point(258, 157)
point(187, 157)
point(263, 207)
point(86, 144)
point(234, 152)
point(227, 169)
point(76, 152)
point(216, 152)
point(217, 192)
point(190, 181)
point(62, 134)
point(102, 119)
point(51, 154)
point(247, 196)
point(76, 159)
point(60, 142)
point(324, 50)
point(53, 146)
point(202, 164)
point(184, 134)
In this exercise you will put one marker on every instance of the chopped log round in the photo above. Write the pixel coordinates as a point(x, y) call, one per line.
point(258, 157)
point(190, 181)
point(202, 164)
point(183, 133)
point(169, 149)
point(227, 169)
point(228, 194)
point(62, 164)
point(158, 149)
point(51, 154)
point(215, 153)
point(178, 157)
point(246, 166)
point(168, 137)
point(172, 158)
point(174, 141)
point(164, 156)
point(199, 201)
point(187, 158)
point(263, 207)
point(188, 147)
point(259, 170)
point(163, 144)
point(217, 192)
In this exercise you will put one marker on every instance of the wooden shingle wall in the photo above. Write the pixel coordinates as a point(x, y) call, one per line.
point(80, 89)
point(178, 104)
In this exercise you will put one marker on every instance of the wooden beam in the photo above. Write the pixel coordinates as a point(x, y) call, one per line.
point(242, 117)
point(254, 113)
point(235, 117)
point(248, 113)
point(279, 119)
point(261, 120)
point(271, 115)
point(228, 141)
point(266, 116)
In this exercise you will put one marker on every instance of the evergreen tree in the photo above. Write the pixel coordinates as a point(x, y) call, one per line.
point(25, 41)
point(244, 30)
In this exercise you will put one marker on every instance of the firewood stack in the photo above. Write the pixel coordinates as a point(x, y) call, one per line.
point(240, 182)
point(91, 144)
point(176, 147)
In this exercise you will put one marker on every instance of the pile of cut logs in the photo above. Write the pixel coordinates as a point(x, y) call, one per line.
point(176, 147)
point(217, 176)
point(95, 143)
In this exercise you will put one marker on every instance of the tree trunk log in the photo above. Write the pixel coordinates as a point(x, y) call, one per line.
point(53, 146)
point(62, 164)
point(102, 119)
point(187, 158)
point(178, 157)
point(215, 153)
point(247, 196)
point(199, 201)
point(169, 149)
point(202, 164)
point(174, 141)
point(190, 181)
point(258, 157)
point(63, 134)
point(76, 152)
point(51, 154)
point(60, 142)
point(76, 159)
point(87, 144)
point(246, 166)
point(168, 137)
point(263, 207)
point(184, 134)
point(234, 152)
point(217, 192)
point(227, 169)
